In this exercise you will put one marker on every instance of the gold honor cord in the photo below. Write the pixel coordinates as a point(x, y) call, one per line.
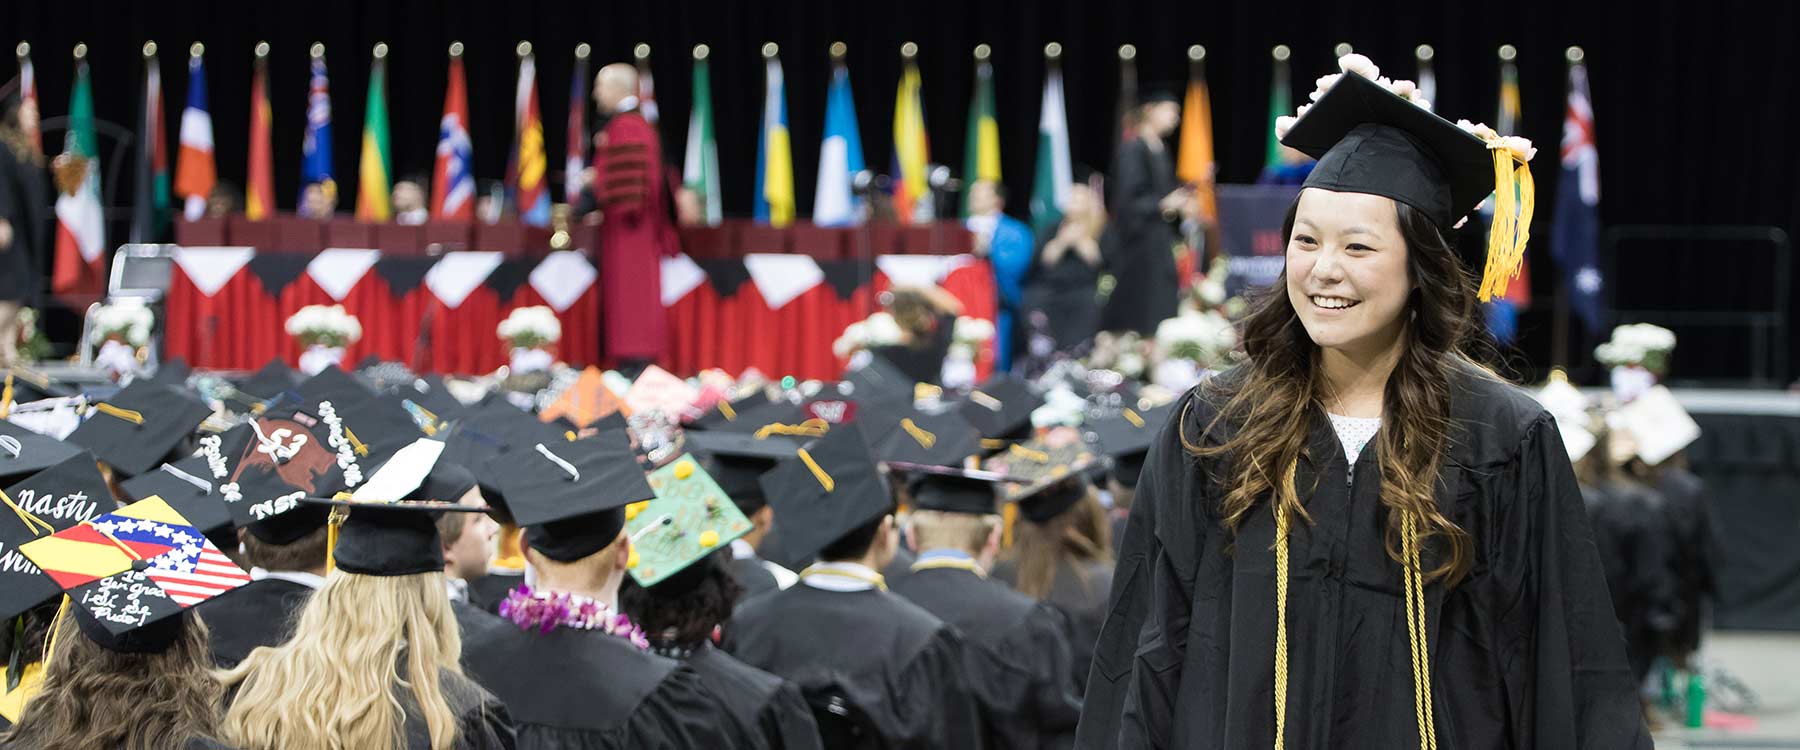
point(1134, 419)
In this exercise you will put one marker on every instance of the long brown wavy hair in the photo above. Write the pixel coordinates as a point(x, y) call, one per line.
point(92, 697)
point(1282, 396)
point(1082, 534)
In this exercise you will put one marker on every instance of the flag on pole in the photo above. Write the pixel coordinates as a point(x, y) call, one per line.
point(1196, 163)
point(259, 183)
point(1125, 113)
point(80, 259)
point(774, 158)
point(528, 164)
point(912, 152)
point(1427, 77)
point(982, 148)
point(840, 156)
point(1575, 237)
point(375, 173)
point(195, 171)
point(700, 165)
point(28, 92)
point(453, 177)
point(575, 159)
point(315, 145)
point(1050, 184)
point(646, 92)
point(152, 201)
point(1279, 106)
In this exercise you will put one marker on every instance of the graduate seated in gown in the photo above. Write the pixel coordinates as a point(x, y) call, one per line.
point(681, 592)
point(467, 537)
point(878, 671)
point(1062, 555)
point(1017, 650)
point(574, 670)
point(380, 633)
point(737, 462)
point(287, 558)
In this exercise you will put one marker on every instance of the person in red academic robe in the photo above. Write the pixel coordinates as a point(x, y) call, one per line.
point(636, 228)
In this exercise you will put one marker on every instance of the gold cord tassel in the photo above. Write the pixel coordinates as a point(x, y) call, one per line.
point(1286, 495)
point(1515, 196)
point(1417, 634)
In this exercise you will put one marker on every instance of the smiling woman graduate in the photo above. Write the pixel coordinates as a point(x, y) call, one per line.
point(1360, 538)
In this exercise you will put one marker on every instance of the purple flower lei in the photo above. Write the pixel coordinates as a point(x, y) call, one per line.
point(547, 610)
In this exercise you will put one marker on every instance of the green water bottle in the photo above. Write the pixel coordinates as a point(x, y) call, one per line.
point(1665, 677)
point(1696, 700)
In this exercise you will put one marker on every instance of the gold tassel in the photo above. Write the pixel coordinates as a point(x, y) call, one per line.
point(509, 555)
point(6, 396)
point(1515, 196)
point(332, 525)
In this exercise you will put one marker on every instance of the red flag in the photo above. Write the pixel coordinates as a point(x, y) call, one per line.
point(453, 179)
point(259, 187)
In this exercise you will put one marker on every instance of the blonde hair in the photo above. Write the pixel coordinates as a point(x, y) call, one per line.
point(335, 685)
point(963, 531)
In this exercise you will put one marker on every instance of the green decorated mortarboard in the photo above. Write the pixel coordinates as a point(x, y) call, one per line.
point(689, 519)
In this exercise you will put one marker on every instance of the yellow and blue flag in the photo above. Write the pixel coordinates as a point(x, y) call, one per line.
point(774, 155)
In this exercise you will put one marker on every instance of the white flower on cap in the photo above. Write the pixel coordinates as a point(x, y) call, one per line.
point(1283, 124)
point(1404, 89)
point(1362, 66)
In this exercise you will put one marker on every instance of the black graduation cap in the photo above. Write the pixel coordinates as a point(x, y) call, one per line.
point(1001, 408)
point(274, 379)
point(138, 426)
point(1126, 437)
point(188, 487)
point(908, 435)
point(431, 394)
point(1368, 140)
point(879, 381)
point(172, 372)
point(1044, 477)
point(831, 488)
point(24, 452)
point(390, 525)
point(759, 416)
point(727, 411)
point(738, 461)
point(570, 495)
point(953, 493)
point(58, 497)
point(333, 384)
point(31, 385)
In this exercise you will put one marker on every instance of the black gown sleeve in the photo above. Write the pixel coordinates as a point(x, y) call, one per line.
point(933, 705)
point(1567, 680)
point(787, 722)
point(487, 726)
point(1132, 686)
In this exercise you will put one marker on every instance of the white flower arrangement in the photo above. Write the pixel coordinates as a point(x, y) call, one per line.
point(324, 325)
point(129, 323)
point(879, 329)
point(1125, 353)
point(1362, 66)
point(1638, 345)
point(530, 327)
point(970, 334)
point(1206, 338)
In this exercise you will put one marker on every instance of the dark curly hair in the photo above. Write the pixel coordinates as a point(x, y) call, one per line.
point(679, 614)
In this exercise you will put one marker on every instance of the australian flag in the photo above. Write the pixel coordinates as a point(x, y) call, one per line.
point(1575, 237)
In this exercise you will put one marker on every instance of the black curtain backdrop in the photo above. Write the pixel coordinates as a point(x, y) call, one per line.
point(1694, 101)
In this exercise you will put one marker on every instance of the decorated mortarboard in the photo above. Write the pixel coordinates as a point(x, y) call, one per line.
point(1039, 471)
point(1001, 408)
point(24, 452)
point(132, 571)
point(333, 384)
point(760, 417)
point(739, 460)
point(908, 435)
point(728, 411)
point(1126, 437)
point(830, 488)
point(136, 428)
point(187, 486)
point(1657, 424)
point(879, 381)
point(1569, 406)
point(656, 389)
point(21, 385)
point(689, 518)
point(57, 498)
point(274, 379)
point(1380, 137)
point(388, 526)
point(585, 401)
point(570, 495)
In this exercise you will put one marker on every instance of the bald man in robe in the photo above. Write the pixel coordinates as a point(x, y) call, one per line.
point(635, 226)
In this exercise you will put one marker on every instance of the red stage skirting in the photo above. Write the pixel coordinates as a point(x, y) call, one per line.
point(240, 325)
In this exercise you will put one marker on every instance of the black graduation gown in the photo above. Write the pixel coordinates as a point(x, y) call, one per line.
point(1140, 246)
point(24, 202)
point(1065, 293)
point(1632, 535)
point(482, 721)
point(1524, 653)
point(770, 707)
point(487, 591)
point(581, 689)
point(1690, 518)
point(1079, 591)
point(1016, 656)
point(751, 576)
point(897, 667)
point(261, 613)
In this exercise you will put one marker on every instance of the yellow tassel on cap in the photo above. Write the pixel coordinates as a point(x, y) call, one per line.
point(1515, 195)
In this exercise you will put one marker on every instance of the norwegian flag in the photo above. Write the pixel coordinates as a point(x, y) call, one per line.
point(191, 570)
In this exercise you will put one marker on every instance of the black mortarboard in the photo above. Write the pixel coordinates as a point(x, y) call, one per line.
point(137, 427)
point(727, 411)
point(24, 452)
point(30, 385)
point(1126, 437)
point(908, 435)
point(1001, 408)
point(1368, 140)
point(1045, 478)
point(56, 498)
point(172, 372)
point(333, 384)
point(133, 571)
point(390, 526)
point(570, 495)
point(187, 486)
point(879, 381)
point(831, 488)
point(953, 494)
point(274, 379)
point(760, 416)
point(430, 394)
point(689, 519)
point(738, 461)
